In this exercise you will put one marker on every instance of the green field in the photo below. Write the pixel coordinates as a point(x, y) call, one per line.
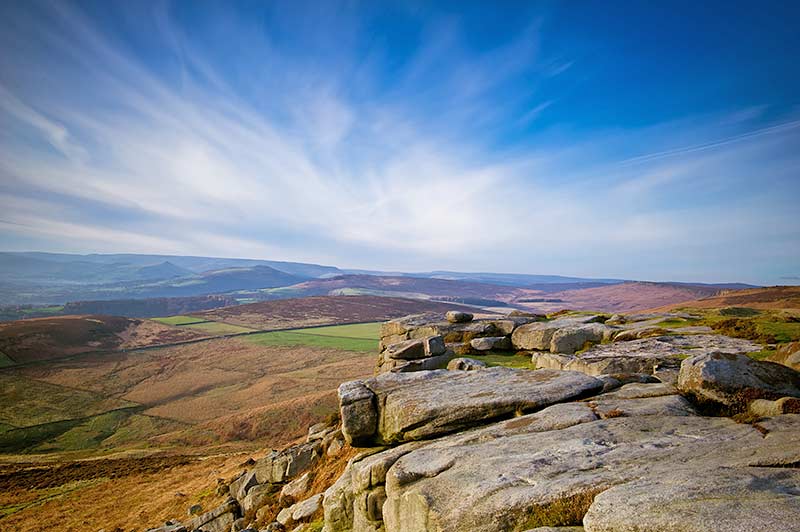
point(28, 402)
point(109, 429)
point(216, 327)
point(179, 320)
point(763, 326)
point(367, 331)
point(5, 360)
point(358, 337)
point(508, 359)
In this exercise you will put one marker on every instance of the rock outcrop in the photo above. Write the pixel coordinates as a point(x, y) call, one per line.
point(732, 381)
point(651, 355)
point(398, 407)
point(458, 334)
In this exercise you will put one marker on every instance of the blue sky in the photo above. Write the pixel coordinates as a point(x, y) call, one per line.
point(609, 139)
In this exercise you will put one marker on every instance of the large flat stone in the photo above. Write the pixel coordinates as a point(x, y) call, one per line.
point(649, 355)
point(492, 482)
point(688, 500)
point(425, 404)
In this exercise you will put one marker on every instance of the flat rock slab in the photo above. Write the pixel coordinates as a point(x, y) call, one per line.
point(644, 356)
point(665, 405)
point(502, 482)
point(398, 407)
point(719, 500)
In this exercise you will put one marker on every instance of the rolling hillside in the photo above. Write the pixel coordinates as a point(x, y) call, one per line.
point(768, 298)
point(624, 297)
point(322, 310)
point(420, 287)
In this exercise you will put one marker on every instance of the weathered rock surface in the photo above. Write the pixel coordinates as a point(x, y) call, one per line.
point(562, 335)
point(487, 343)
point(788, 355)
point(442, 339)
point(643, 356)
point(689, 500)
point(767, 408)
point(257, 496)
point(732, 381)
point(505, 482)
point(239, 487)
point(455, 316)
point(305, 509)
point(293, 489)
point(465, 364)
point(281, 466)
point(406, 350)
point(219, 519)
point(393, 407)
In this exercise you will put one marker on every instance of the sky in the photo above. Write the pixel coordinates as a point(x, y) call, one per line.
point(637, 140)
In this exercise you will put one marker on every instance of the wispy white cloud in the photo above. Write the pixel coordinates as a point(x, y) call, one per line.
point(327, 162)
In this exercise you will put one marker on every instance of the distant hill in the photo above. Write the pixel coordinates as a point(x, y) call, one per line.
point(623, 297)
point(190, 263)
point(56, 278)
point(517, 279)
point(322, 310)
point(768, 298)
point(41, 339)
point(150, 307)
point(406, 286)
point(162, 270)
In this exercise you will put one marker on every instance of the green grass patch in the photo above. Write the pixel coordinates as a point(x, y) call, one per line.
point(676, 323)
point(764, 326)
point(367, 331)
point(761, 355)
point(44, 495)
point(782, 331)
point(293, 338)
point(356, 337)
point(739, 312)
point(109, 429)
point(179, 320)
point(216, 327)
point(27, 402)
point(55, 309)
point(5, 360)
point(508, 359)
point(87, 434)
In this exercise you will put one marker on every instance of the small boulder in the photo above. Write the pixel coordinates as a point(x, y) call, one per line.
point(307, 508)
point(195, 509)
point(318, 431)
point(406, 350)
point(526, 314)
point(570, 339)
point(788, 355)
point(257, 497)
point(295, 488)
point(465, 364)
point(284, 516)
point(456, 316)
point(433, 345)
point(732, 381)
point(487, 343)
point(244, 482)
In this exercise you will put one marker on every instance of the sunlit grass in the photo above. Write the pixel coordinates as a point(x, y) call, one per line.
point(179, 320)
